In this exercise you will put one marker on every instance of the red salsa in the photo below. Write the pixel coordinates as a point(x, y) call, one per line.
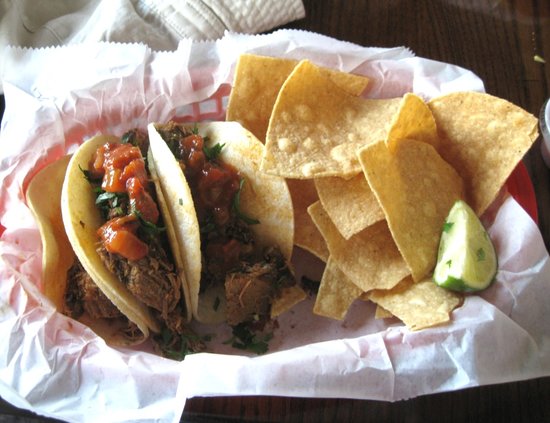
point(214, 183)
point(215, 186)
point(122, 170)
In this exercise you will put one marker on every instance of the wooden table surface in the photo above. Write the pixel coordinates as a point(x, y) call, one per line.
point(498, 40)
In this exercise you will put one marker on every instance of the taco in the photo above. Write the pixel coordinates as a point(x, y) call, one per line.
point(128, 267)
point(43, 197)
point(237, 224)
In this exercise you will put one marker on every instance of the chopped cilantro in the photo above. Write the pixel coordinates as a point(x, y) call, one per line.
point(208, 225)
point(128, 138)
point(480, 254)
point(216, 304)
point(207, 228)
point(110, 204)
point(88, 175)
point(244, 339)
point(213, 152)
point(236, 206)
point(148, 227)
point(114, 199)
point(177, 347)
point(447, 226)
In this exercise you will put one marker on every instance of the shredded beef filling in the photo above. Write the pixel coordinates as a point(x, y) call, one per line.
point(83, 295)
point(151, 279)
point(251, 290)
point(219, 256)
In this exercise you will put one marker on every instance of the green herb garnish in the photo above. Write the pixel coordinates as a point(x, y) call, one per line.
point(177, 347)
point(216, 304)
point(207, 228)
point(447, 226)
point(111, 203)
point(114, 199)
point(480, 254)
point(88, 175)
point(236, 206)
point(128, 138)
point(244, 339)
point(213, 152)
point(148, 227)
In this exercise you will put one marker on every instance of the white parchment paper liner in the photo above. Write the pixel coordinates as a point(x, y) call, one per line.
point(57, 367)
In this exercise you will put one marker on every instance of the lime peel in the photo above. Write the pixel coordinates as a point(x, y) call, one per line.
point(467, 261)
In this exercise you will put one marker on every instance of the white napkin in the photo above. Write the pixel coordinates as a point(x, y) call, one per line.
point(160, 24)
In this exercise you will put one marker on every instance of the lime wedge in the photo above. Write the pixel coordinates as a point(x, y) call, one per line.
point(467, 261)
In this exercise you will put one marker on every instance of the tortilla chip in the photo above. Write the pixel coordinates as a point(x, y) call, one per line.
point(316, 127)
point(350, 83)
point(306, 234)
point(484, 138)
point(370, 259)
point(336, 293)
point(416, 189)
point(289, 298)
point(257, 82)
point(44, 199)
point(350, 203)
point(418, 305)
point(382, 313)
point(414, 120)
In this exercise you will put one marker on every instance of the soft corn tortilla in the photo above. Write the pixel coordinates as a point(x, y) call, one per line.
point(484, 138)
point(257, 82)
point(81, 220)
point(316, 127)
point(178, 256)
point(44, 199)
point(265, 197)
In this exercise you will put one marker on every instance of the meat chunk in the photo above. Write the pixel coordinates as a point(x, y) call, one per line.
point(151, 279)
point(250, 291)
point(83, 295)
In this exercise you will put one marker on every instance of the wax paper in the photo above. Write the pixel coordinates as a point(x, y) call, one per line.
point(55, 366)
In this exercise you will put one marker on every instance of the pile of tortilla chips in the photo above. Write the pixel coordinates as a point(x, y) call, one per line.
point(372, 180)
